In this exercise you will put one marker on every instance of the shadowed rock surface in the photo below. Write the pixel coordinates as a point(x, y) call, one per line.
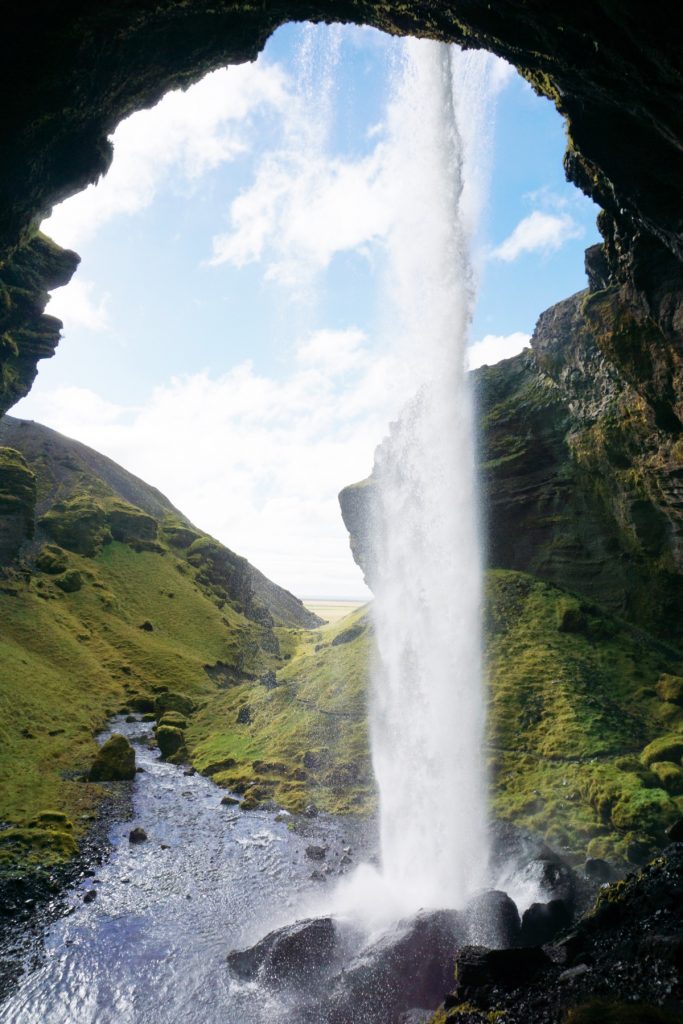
point(613, 71)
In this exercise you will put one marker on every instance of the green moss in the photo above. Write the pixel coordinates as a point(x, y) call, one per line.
point(670, 688)
point(52, 560)
point(173, 718)
point(670, 776)
point(320, 704)
point(70, 581)
point(115, 761)
point(173, 702)
point(569, 712)
point(171, 741)
point(664, 748)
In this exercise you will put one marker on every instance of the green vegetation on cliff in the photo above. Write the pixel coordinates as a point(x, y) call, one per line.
point(297, 736)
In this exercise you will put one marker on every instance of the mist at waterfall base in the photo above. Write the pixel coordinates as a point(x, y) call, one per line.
point(427, 706)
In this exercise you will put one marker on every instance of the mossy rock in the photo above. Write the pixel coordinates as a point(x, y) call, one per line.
point(138, 702)
point(52, 819)
point(170, 740)
point(129, 524)
point(115, 761)
point(173, 702)
point(570, 616)
point(34, 844)
point(665, 748)
point(52, 560)
point(670, 688)
point(78, 524)
point(670, 776)
point(648, 810)
point(70, 582)
point(173, 718)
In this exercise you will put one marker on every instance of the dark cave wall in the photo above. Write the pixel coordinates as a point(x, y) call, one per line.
point(70, 71)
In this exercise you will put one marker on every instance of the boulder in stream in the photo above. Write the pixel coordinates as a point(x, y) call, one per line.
point(292, 956)
point(115, 761)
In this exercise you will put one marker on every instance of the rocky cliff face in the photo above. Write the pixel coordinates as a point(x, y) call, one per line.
point(581, 462)
point(71, 72)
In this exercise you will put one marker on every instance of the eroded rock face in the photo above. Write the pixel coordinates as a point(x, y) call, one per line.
point(71, 73)
point(17, 503)
point(580, 453)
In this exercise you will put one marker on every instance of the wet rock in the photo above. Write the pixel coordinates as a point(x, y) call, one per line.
point(131, 718)
point(411, 966)
point(573, 973)
point(115, 761)
point(479, 968)
point(137, 835)
point(171, 740)
point(311, 811)
point(190, 771)
point(229, 801)
point(597, 870)
point(675, 831)
point(90, 895)
point(144, 705)
point(317, 875)
point(315, 852)
point(492, 920)
point(289, 956)
point(543, 922)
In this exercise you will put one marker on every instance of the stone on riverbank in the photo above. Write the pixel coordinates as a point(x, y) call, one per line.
point(115, 761)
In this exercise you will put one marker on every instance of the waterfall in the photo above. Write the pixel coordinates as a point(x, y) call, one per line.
point(427, 712)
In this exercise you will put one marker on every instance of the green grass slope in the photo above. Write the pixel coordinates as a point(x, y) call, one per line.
point(300, 735)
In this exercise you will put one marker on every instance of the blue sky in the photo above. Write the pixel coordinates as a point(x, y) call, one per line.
point(224, 336)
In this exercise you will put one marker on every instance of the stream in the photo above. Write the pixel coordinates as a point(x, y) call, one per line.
point(151, 947)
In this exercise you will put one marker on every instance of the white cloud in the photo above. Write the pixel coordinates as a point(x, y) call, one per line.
point(539, 232)
point(494, 347)
point(254, 460)
point(77, 306)
point(302, 209)
point(187, 133)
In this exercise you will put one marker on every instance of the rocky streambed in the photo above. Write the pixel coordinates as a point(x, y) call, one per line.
point(144, 937)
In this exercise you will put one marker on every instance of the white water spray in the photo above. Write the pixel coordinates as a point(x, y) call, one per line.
point(428, 708)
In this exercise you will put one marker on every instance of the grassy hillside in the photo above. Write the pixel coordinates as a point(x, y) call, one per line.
point(300, 735)
point(104, 605)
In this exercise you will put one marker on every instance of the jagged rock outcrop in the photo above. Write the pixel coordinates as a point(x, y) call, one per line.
point(71, 72)
point(581, 447)
point(17, 503)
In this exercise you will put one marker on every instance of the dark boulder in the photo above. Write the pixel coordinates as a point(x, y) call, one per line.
point(408, 967)
point(289, 956)
point(675, 831)
point(597, 870)
point(492, 920)
point(137, 835)
point(315, 852)
point(543, 922)
point(478, 968)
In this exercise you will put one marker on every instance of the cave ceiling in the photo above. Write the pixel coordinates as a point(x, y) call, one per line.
point(73, 70)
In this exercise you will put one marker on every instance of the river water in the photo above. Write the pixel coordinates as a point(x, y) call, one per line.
point(151, 947)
